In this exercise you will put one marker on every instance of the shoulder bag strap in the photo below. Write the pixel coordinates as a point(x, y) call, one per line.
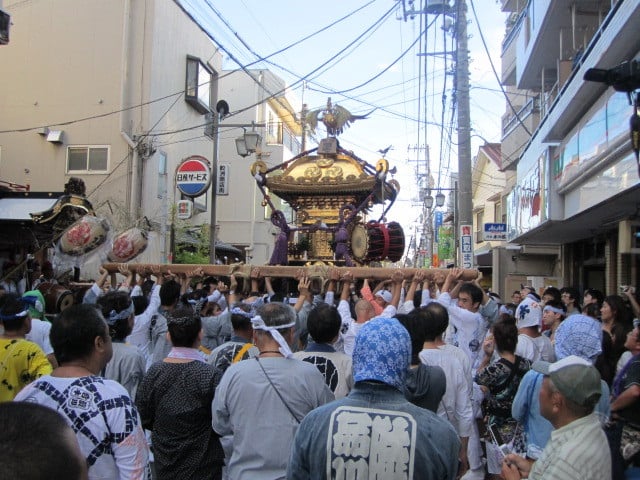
point(278, 392)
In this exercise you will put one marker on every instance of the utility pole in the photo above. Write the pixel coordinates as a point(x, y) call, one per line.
point(423, 176)
point(465, 207)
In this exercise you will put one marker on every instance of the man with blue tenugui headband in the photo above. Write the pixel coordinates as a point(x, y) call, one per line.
point(375, 432)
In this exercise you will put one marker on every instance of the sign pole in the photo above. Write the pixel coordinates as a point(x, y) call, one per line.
point(214, 188)
point(193, 176)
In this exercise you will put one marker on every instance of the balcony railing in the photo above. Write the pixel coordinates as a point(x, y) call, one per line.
point(511, 120)
point(514, 23)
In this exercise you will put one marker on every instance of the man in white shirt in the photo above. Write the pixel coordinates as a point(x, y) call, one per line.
point(100, 411)
point(364, 313)
point(467, 328)
point(456, 402)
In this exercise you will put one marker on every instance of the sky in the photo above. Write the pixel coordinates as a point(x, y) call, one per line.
point(363, 54)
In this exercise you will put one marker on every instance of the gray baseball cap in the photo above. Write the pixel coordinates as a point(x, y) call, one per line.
point(575, 378)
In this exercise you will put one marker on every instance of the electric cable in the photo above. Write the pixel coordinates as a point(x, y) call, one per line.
point(181, 91)
point(139, 141)
point(308, 75)
point(383, 71)
point(297, 42)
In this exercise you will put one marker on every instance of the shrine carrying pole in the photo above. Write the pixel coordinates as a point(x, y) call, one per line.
point(277, 271)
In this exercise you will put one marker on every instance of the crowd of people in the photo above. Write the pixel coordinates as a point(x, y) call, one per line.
point(187, 376)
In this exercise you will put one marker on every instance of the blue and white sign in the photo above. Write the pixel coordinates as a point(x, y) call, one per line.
point(193, 176)
point(438, 222)
point(495, 231)
point(466, 246)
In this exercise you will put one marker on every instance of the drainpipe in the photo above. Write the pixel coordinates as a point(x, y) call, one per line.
point(124, 74)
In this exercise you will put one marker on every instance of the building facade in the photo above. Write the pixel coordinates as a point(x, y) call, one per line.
point(98, 90)
point(119, 94)
point(488, 182)
point(573, 211)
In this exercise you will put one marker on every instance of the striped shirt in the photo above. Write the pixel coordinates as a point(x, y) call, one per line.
point(577, 451)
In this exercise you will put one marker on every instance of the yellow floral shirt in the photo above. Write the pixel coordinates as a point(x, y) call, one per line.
point(21, 362)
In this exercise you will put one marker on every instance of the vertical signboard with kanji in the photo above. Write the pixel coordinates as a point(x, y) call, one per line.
point(223, 179)
point(466, 246)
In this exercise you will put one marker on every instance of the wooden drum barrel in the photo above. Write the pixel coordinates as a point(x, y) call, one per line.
point(377, 241)
point(56, 297)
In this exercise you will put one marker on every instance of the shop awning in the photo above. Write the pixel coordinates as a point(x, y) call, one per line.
point(189, 238)
point(484, 255)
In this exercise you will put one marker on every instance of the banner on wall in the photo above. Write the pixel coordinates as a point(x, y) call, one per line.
point(445, 244)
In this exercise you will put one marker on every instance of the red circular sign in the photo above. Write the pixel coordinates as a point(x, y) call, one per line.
point(193, 176)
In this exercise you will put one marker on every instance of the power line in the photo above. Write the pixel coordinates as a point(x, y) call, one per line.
point(142, 137)
point(92, 117)
point(308, 75)
point(297, 42)
point(385, 70)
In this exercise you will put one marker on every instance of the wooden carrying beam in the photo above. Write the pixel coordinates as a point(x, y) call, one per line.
point(324, 271)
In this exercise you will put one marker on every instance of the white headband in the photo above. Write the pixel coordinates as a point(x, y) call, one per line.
point(554, 310)
point(13, 316)
point(258, 324)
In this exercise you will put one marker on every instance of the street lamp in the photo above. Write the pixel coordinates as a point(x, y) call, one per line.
point(439, 199)
point(428, 201)
point(248, 142)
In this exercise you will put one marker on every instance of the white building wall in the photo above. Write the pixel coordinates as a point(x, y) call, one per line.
point(243, 220)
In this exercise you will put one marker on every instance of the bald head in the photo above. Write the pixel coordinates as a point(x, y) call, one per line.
point(364, 311)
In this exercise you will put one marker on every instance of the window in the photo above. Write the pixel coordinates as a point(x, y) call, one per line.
point(197, 91)
point(272, 126)
point(479, 225)
point(88, 159)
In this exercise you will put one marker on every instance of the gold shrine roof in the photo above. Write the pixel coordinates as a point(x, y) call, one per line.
point(336, 174)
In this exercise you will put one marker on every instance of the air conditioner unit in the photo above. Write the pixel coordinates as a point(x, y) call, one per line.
point(5, 22)
point(629, 236)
